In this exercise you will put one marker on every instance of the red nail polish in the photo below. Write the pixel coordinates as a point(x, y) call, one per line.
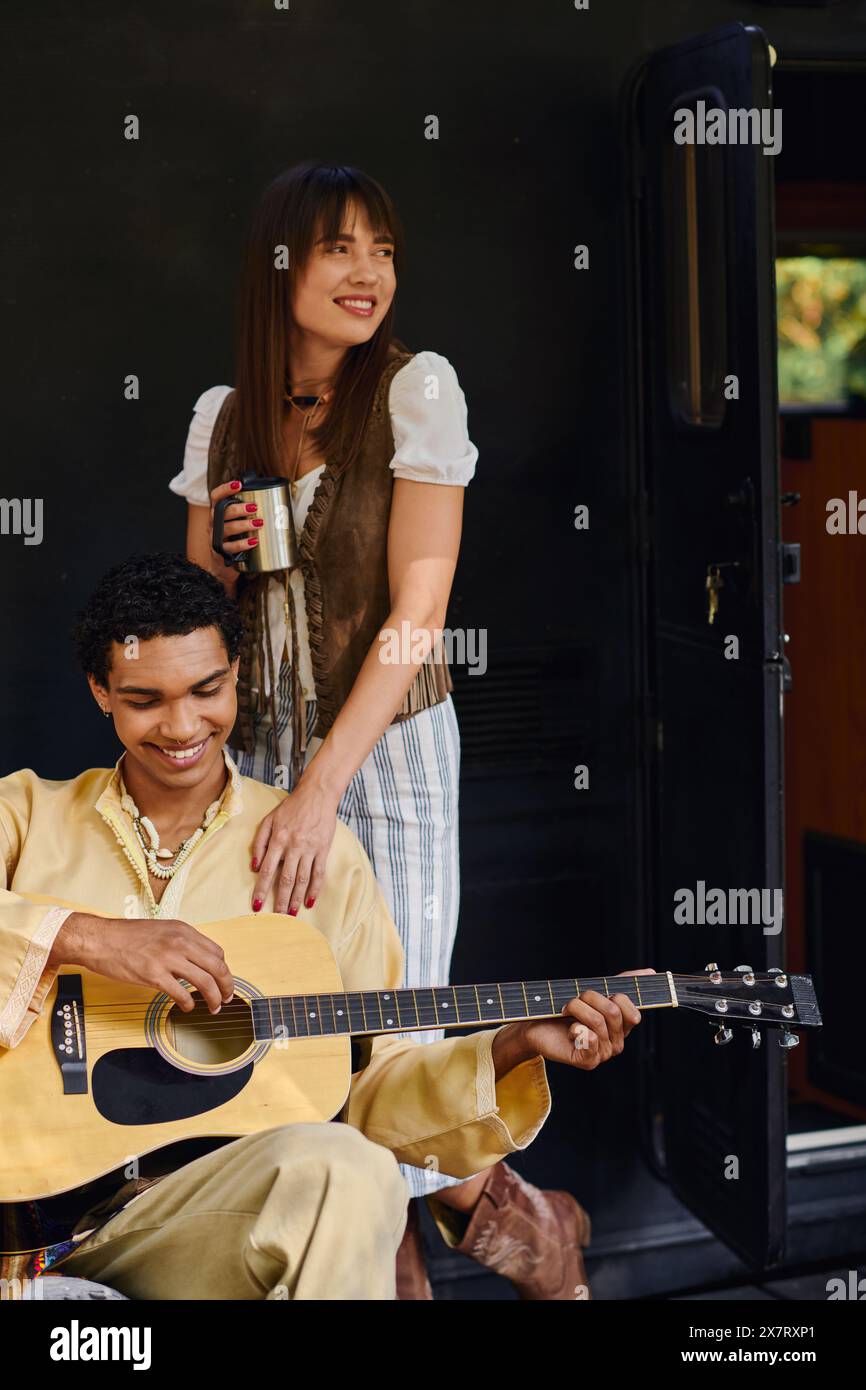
point(311, 902)
point(255, 864)
point(255, 541)
point(257, 521)
point(257, 902)
point(235, 485)
point(251, 506)
point(293, 912)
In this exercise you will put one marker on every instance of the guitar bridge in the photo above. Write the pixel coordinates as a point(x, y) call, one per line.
point(67, 1034)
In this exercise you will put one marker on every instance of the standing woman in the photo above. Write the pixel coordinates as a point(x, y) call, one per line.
point(374, 443)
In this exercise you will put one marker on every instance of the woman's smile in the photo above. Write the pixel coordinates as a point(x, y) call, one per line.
point(364, 305)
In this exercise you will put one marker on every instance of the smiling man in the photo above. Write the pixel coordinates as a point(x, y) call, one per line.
point(145, 854)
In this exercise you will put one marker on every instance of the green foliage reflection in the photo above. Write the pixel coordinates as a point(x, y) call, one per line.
point(821, 310)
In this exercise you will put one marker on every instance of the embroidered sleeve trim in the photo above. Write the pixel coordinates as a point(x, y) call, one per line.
point(33, 983)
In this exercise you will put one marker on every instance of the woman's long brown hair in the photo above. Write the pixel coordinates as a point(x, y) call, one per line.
point(299, 206)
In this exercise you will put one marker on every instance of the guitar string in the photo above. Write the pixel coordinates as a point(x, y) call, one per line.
point(371, 998)
point(648, 983)
point(213, 1026)
point(218, 1030)
point(510, 1009)
point(200, 1019)
point(513, 1007)
point(653, 993)
point(135, 1035)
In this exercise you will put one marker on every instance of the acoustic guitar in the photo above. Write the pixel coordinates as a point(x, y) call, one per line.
point(110, 1071)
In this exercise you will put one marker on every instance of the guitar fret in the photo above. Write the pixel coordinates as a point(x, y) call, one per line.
point(405, 1007)
point(539, 998)
point(445, 1004)
point(466, 1003)
point(284, 1032)
point(387, 1014)
point(313, 1015)
point(342, 1021)
point(261, 1020)
point(355, 1006)
point(563, 992)
point(425, 1008)
point(488, 1005)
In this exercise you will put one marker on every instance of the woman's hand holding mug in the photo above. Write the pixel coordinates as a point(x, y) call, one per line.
point(238, 519)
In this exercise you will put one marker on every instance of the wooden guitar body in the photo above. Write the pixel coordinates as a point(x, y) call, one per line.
point(154, 1075)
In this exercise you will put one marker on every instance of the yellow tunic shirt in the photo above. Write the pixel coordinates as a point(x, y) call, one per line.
point(71, 840)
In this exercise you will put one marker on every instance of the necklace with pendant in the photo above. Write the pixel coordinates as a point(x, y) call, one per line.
point(151, 848)
point(306, 406)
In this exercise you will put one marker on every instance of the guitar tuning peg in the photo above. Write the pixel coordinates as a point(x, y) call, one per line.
point(711, 968)
point(789, 1039)
point(757, 1036)
point(742, 970)
point(722, 1035)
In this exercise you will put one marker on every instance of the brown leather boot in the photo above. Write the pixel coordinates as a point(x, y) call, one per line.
point(531, 1237)
point(412, 1281)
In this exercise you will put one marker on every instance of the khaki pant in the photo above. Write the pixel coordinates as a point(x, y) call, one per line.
point(310, 1211)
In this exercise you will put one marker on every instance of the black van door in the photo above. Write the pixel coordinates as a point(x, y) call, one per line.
point(702, 131)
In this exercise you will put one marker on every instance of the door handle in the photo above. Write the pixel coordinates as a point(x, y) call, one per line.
point(791, 563)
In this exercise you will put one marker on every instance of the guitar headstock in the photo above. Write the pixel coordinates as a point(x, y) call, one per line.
point(772, 999)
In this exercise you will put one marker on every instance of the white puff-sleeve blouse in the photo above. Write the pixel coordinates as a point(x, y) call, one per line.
point(431, 445)
point(428, 420)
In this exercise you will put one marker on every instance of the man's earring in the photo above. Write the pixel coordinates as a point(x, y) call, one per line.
point(106, 712)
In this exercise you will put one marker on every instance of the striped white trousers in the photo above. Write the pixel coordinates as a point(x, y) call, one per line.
point(402, 806)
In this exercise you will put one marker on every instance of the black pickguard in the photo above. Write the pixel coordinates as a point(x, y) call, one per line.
point(136, 1086)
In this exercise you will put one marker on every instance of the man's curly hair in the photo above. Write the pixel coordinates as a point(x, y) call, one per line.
point(156, 595)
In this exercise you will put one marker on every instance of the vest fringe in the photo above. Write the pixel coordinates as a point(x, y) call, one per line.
point(432, 682)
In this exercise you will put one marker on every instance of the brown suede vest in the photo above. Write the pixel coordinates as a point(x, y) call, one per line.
point(343, 558)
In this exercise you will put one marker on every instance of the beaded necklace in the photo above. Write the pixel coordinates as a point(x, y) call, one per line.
point(151, 848)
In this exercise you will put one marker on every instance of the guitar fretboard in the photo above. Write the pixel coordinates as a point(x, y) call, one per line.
point(448, 1006)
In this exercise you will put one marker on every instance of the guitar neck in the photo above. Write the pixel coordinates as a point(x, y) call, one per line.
point(366, 1012)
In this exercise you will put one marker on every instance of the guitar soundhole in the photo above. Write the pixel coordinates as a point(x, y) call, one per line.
point(211, 1039)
